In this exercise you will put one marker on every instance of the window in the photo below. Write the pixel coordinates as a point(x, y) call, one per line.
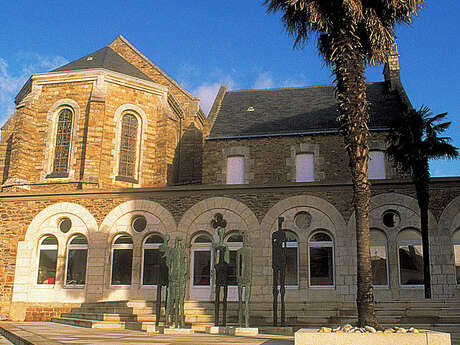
point(304, 167)
point(234, 242)
point(122, 260)
point(128, 146)
point(77, 253)
point(376, 165)
point(47, 260)
point(152, 260)
point(457, 254)
point(292, 259)
point(201, 256)
point(410, 258)
point(321, 253)
point(235, 170)
point(62, 143)
point(379, 258)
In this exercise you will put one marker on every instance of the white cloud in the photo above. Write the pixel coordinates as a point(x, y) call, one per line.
point(13, 77)
point(208, 92)
point(264, 81)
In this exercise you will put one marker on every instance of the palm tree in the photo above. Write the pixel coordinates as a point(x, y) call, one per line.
point(414, 140)
point(351, 34)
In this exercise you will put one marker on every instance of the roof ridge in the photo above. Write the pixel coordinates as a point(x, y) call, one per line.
point(295, 87)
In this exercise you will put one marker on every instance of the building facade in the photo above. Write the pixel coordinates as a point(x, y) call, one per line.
point(105, 155)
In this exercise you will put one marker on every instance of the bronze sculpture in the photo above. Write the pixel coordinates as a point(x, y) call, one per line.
point(279, 269)
point(244, 279)
point(222, 255)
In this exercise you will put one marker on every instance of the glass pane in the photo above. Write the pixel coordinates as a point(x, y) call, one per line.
point(377, 235)
point(76, 266)
point(321, 270)
point(152, 260)
point(456, 236)
point(457, 261)
point(124, 240)
point(379, 264)
point(320, 237)
point(202, 268)
point(232, 268)
point(47, 266)
point(121, 266)
point(79, 240)
point(154, 239)
point(411, 264)
point(292, 267)
point(50, 240)
point(290, 236)
point(202, 239)
point(409, 235)
point(235, 238)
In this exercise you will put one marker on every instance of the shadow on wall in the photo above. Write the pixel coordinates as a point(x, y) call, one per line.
point(188, 158)
point(6, 169)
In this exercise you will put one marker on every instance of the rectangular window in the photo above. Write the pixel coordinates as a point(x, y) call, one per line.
point(47, 266)
point(457, 261)
point(291, 265)
point(235, 170)
point(202, 268)
point(76, 267)
point(411, 264)
point(379, 264)
point(122, 266)
point(376, 165)
point(321, 266)
point(152, 260)
point(304, 166)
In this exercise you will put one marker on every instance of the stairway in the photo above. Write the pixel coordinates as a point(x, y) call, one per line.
point(138, 314)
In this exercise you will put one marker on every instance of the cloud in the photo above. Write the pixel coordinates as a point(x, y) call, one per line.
point(13, 77)
point(264, 81)
point(208, 92)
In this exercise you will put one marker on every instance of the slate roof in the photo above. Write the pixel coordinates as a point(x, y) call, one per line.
point(295, 110)
point(105, 58)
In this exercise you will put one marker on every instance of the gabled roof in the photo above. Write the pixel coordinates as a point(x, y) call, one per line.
point(290, 111)
point(105, 58)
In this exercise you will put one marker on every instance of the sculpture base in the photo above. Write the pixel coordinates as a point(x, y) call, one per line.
point(155, 329)
point(277, 330)
point(178, 331)
point(216, 330)
point(241, 331)
point(312, 336)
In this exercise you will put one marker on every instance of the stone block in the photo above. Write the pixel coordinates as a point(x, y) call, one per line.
point(178, 331)
point(242, 331)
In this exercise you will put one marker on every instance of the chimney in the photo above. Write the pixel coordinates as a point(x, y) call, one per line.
point(391, 69)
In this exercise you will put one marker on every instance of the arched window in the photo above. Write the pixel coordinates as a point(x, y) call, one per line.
point(379, 258)
point(151, 260)
point(48, 248)
point(410, 258)
point(456, 241)
point(321, 255)
point(128, 147)
point(234, 242)
point(292, 259)
point(77, 253)
point(62, 143)
point(122, 260)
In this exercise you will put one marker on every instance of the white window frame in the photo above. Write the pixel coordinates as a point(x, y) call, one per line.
point(75, 246)
point(121, 246)
point(144, 247)
point(374, 173)
point(384, 243)
point(232, 178)
point(301, 171)
point(47, 247)
point(408, 243)
point(321, 244)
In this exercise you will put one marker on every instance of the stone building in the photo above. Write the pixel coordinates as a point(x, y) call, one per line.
point(108, 152)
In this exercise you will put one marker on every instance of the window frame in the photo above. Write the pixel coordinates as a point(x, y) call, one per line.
point(41, 247)
point(321, 244)
point(294, 244)
point(383, 243)
point(154, 246)
point(408, 242)
point(78, 247)
point(121, 246)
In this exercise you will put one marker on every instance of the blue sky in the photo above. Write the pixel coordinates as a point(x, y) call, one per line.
point(203, 44)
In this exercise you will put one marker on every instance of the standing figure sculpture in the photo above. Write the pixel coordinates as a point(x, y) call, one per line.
point(177, 262)
point(222, 255)
point(163, 279)
point(244, 279)
point(279, 269)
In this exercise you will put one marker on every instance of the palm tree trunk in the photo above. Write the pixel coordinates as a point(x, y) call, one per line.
point(423, 197)
point(353, 117)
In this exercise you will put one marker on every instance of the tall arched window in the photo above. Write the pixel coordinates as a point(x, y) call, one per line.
point(47, 248)
point(128, 147)
point(379, 258)
point(321, 255)
point(62, 143)
point(122, 260)
point(151, 260)
point(457, 254)
point(77, 254)
point(410, 258)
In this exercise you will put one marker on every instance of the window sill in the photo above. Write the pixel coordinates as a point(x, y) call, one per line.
point(74, 286)
point(411, 287)
point(45, 286)
point(57, 175)
point(126, 179)
point(325, 287)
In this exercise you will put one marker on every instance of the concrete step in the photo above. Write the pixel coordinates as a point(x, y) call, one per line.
point(103, 324)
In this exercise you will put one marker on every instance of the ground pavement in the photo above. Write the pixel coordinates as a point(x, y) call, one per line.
point(48, 333)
